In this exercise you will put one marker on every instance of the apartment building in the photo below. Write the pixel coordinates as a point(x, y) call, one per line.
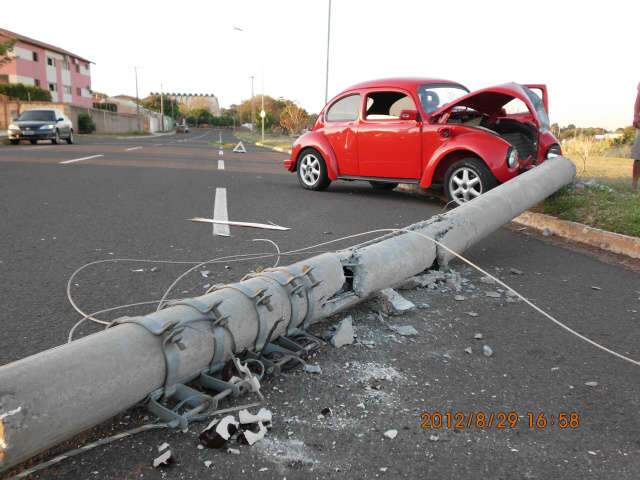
point(65, 75)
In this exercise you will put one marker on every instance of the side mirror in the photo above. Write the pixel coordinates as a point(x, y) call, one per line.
point(60, 119)
point(409, 115)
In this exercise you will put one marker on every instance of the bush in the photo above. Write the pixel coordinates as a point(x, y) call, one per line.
point(86, 123)
point(25, 92)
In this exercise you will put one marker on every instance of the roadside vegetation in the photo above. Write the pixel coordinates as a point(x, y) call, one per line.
point(277, 140)
point(601, 196)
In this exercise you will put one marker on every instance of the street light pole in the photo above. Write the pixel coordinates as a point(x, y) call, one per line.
point(161, 107)
point(135, 69)
point(326, 76)
point(262, 112)
point(253, 108)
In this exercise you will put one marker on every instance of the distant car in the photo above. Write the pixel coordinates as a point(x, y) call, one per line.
point(182, 128)
point(42, 124)
point(426, 132)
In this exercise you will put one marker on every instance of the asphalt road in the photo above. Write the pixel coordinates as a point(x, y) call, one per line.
point(131, 198)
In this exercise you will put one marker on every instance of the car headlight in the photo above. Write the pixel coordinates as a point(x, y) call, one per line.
point(554, 151)
point(14, 127)
point(47, 127)
point(512, 158)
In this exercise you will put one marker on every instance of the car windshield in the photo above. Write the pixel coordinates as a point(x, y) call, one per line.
point(37, 116)
point(543, 117)
point(434, 96)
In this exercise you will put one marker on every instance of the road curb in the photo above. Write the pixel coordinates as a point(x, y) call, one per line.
point(578, 232)
point(275, 149)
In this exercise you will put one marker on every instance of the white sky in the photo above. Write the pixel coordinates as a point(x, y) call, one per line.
point(588, 52)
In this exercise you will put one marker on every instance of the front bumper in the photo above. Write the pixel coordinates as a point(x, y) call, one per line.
point(31, 134)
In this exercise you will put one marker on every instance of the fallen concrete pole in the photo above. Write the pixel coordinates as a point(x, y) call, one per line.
point(51, 396)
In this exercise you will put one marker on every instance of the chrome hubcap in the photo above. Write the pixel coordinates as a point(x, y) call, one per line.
point(465, 185)
point(310, 169)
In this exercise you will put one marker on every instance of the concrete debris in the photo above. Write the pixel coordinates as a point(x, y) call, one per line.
point(264, 415)
point(515, 271)
point(487, 280)
point(404, 330)
point(478, 336)
point(165, 458)
point(205, 273)
point(468, 350)
point(595, 288)
point(454, 281)
point(393, 303)
point(472, 314)
point(233, 451)
point(312, 368)
point(251, 437)
point(208, 463)
point(591, 384)
point(391, 434)
point(383, 469)
point(493, 294)
point(426, 280)
point(367, 343)
point(487, 351)
point(154, 269)
point(138, 270)
point(218, 432)
point(344, 334)
point(459, 298)
point(263, 469)
point(434, 438)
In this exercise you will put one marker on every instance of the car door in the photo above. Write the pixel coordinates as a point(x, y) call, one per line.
point(340, 127)
point(388, 145)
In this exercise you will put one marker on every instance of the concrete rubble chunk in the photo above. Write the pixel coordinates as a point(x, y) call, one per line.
point(487, 280)
point(251, 437)
point(468, 350)
point(393, 303)
point(165, 458)
point(208, 463)
point(434, 438)
point(515, 271)
point(344, 334)
point(391, 434)
point(487, 351)
point(264, 415)
point(233, 451)
point(492, 294)
point(309, 368)
point(478, 336)
point(404, 330)
point(472, 314)
point(459, 298)
point(591, 384)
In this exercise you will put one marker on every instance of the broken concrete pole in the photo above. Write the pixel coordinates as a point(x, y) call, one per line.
point(344, 334)
point(61, 392)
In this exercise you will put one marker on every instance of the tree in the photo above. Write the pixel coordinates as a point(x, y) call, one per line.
point(171, 107)
point(25, 92)
point(6, 48)
point(293, 118)
point(584, 147)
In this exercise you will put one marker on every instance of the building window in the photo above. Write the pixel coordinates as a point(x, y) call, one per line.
point(36, 82)
point(67, 90)
point(51, 62)
point(34, 56)
point(4, 78)
point(65, 64)
point(79, 91)
point(53, 87)
point(77, 68)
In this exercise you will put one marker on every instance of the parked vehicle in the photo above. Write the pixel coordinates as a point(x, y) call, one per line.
point(182, 128)
point(41, 124)
point(426, 132)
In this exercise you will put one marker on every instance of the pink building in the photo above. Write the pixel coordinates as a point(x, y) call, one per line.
point(66, 75)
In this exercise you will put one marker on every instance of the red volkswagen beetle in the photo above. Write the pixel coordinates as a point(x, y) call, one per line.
point(426, 132)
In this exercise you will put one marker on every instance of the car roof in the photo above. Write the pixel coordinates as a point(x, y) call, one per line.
point(401, 82)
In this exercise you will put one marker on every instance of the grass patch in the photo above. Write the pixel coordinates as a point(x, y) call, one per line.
point(601, 197)
point(280, 141)
point(228, 145)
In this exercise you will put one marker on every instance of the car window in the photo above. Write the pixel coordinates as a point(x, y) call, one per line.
point(434, 96)
point(38, 116)
point(387, 105)
point(344, 110)
point(515, 107)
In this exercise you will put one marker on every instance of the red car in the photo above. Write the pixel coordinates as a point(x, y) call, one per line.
point(426, 132)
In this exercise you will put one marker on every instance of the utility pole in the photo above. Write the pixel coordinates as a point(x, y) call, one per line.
point(263, 114)
point(135, 69)
point(161, 107)
point(253, 108)
point(326, 74)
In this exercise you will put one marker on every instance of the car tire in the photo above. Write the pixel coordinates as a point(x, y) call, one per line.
point(383, 185)
point(70, 139)
point(312, 171)
point(56, 140)
point(15, 142)
point(33, 142)
point(467, 179)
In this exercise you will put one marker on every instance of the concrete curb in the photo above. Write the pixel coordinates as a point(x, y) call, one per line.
point(275, 149)
point(153, 135)
point(577, 232)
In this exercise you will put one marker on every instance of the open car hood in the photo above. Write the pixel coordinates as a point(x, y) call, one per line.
point(492, 100)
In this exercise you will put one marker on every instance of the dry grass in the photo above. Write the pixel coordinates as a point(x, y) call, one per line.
point(281, 141)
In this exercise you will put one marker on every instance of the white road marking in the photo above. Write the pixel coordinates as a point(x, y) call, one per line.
point(80, 159)
point(220, 152)
point(220, 213)
point(220, 164)
point(132, 148)
point(266, 226)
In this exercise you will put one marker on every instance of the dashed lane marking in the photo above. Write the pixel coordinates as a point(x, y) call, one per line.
point(220, 213)
point(220, 164)
point(80, 159)
point(132, 148)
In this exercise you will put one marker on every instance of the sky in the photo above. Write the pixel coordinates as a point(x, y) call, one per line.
point(587, 52)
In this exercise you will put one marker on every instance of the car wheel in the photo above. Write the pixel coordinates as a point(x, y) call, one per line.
point(383, 185)
point(34, 142)
point(15, 142)
point(312, 171)
point(70, 139)
point(467, 179)
point(56, 140)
